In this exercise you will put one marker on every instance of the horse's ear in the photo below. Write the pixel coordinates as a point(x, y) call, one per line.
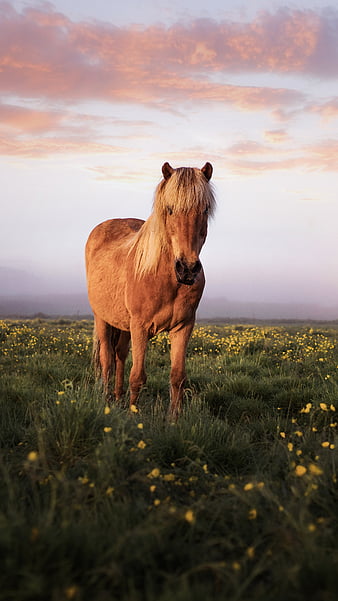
point(167, 170)
point(207, 171)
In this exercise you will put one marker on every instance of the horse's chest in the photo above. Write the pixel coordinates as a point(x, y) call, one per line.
point(163, 308)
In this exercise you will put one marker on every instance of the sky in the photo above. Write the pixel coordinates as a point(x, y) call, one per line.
point(96, 96)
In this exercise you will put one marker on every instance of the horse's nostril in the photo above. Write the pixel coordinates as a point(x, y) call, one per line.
point(196, 268)
point(179, 266)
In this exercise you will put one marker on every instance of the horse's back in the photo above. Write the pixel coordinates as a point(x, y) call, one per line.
point(113, 230)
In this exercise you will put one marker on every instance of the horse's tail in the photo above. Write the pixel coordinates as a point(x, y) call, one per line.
point(96, 354)
point(114, 337)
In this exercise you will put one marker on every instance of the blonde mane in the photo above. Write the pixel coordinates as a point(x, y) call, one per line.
point(186, 190)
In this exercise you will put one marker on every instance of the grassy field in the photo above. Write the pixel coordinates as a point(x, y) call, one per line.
point(237, 501)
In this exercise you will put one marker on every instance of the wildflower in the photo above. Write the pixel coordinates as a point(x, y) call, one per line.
point(141, 444)
point(300, 470)
point(323, 406)
point(205, 468)
point(189, 516)
point(107, 429)
point(333, 424)
point(133, 409)
point(33, 456)
point(154, 473)
point(157, 502)
point(61, 392)
point(107, 410)
point(252, 514)
point(140, 426)
point(331, 446)
point(152, 488)
point(169, 477)
point(307, 408)
point(236, 566)
point(298, 433)
point(332, 408)
point(315, 470)
point(83, 479)
point(248, 486)
point(325, 444)
point(282, 434)
point(290, 446)
point(250, 552)
point(109, 491)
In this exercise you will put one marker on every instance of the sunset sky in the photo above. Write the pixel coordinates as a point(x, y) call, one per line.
point(96, 96)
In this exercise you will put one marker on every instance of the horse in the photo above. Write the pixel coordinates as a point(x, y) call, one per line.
point(145, 277)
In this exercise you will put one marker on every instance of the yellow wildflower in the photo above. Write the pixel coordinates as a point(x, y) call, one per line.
point(252, 514)
point(140, 426)
point(325, 444)
point(323, 406)
point(154, 473)
point(133, 409)
point(109, 491)
point(107, 429)
point(189, 516)
point(169, 477)
point(142, 444)
point(248, 486)
point(300, 470)
point(107, 410)
point(157, 502)
point(282, 434)
point(290, 446)
point(315, 470)
point(33, 456)
point(250, 552)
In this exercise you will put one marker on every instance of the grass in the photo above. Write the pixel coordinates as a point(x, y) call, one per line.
point(236, 501)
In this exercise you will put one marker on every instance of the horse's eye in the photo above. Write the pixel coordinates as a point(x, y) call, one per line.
point(206, 211)
point(170, 211)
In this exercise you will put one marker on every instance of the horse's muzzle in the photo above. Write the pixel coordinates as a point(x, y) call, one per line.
point(187, 273)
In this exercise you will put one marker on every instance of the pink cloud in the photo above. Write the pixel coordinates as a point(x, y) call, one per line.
point(322, 156)
point(67, 61)
point(276, 136)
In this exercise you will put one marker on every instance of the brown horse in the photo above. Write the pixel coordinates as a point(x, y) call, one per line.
point(145, 277)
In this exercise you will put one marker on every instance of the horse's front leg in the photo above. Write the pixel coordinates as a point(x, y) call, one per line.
point(137, 379)
point(179, 340)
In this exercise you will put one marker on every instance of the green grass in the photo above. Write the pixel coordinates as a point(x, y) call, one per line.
point(236, 501)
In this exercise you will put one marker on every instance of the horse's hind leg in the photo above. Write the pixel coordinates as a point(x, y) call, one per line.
point(121, 353)
point(104, 334)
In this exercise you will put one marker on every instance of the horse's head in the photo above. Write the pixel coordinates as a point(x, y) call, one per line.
point(188, 200)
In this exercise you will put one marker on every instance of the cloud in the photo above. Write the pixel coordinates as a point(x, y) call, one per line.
point(44, 147)
point(241, 158)
point(276, 136)
point(68, 61)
